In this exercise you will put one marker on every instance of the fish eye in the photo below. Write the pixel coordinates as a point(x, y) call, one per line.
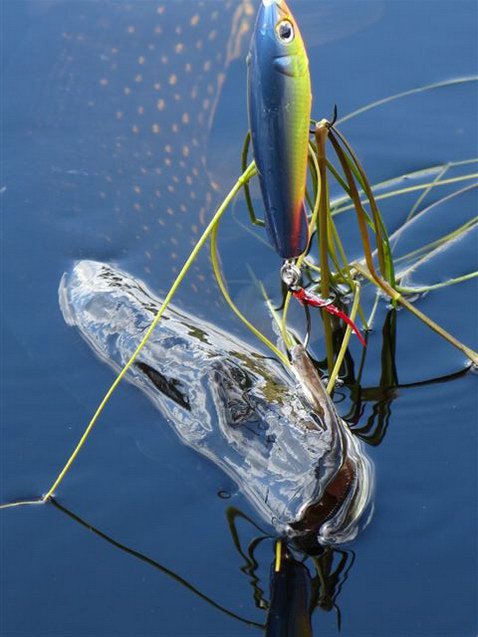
point(285, 31)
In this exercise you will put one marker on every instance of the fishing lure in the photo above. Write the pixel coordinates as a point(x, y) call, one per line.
point(279, 106)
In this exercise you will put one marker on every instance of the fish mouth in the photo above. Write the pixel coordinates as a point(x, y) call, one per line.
point(316, 513)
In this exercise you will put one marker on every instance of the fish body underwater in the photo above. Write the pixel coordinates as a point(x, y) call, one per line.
point(279, 105)
point(116, 112)
point(277, 436)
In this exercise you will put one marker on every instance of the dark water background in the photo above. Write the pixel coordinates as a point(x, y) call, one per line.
point(90, 156)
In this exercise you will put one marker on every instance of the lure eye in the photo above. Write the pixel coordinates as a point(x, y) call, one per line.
point(285, 31)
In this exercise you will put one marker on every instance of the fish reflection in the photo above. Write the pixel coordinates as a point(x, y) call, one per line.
point(278, 438)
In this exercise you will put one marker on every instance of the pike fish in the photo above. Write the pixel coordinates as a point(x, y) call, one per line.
point(279, 106)
point(276, 434)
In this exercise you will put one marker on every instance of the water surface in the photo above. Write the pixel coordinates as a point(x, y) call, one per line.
point(123, 127)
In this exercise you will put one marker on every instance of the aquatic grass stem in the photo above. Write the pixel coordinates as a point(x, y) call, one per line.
point(321, 134)
point(430, 247)
point(277, 318)
point(421, 89)
point(415, 174)
point(405, 191)
point(348, 274)
point(247, 192)
point(431, 254)
point(338, 177)
point(426, 192)
point(224, 291)
point(383, 246)
point(247, 174)
point(396, 296)
point(345, 341)
point(371, 318)
point(437, 286)
point(425, 211)
point(324, 236)
point(360, 212)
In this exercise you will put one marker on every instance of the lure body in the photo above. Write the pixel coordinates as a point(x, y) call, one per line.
point(279, 105)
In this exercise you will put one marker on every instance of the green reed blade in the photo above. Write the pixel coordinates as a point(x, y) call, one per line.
point(415, 174)
point(396, 296)
point(338, 178)
point(345, 341)
point(321, 134)
point(338, 209)
point(413, 91)
point(438, 243)
point(225, 293)
point(426, 192)
point(247, 192)
point(384, 252)
point(360, 212)
point(436, 286)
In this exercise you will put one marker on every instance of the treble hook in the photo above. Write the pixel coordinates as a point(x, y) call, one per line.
point(309, 327)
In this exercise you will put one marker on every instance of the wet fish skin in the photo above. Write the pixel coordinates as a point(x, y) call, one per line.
point(227, 401)
point(279, 107)
point(117, 111)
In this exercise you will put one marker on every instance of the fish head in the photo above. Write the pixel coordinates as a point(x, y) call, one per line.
point(277, 38)
point(289, 450)
point(303, 469)
point(277, 435)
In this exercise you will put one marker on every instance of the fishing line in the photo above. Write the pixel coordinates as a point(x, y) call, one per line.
point(247, 174)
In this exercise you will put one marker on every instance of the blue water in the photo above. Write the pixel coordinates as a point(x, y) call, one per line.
point(115, 149)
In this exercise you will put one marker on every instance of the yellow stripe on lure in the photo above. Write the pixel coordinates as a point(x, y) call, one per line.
point(279, 105)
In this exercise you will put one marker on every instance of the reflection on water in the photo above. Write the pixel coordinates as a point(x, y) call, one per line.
point(299, 584)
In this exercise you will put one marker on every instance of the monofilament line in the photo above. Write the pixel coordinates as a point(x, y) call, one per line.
point(248, 173)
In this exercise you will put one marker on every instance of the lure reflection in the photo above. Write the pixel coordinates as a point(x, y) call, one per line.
point(316, 581)
point(278, 437)
point(279, 105)
point(291, 595)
